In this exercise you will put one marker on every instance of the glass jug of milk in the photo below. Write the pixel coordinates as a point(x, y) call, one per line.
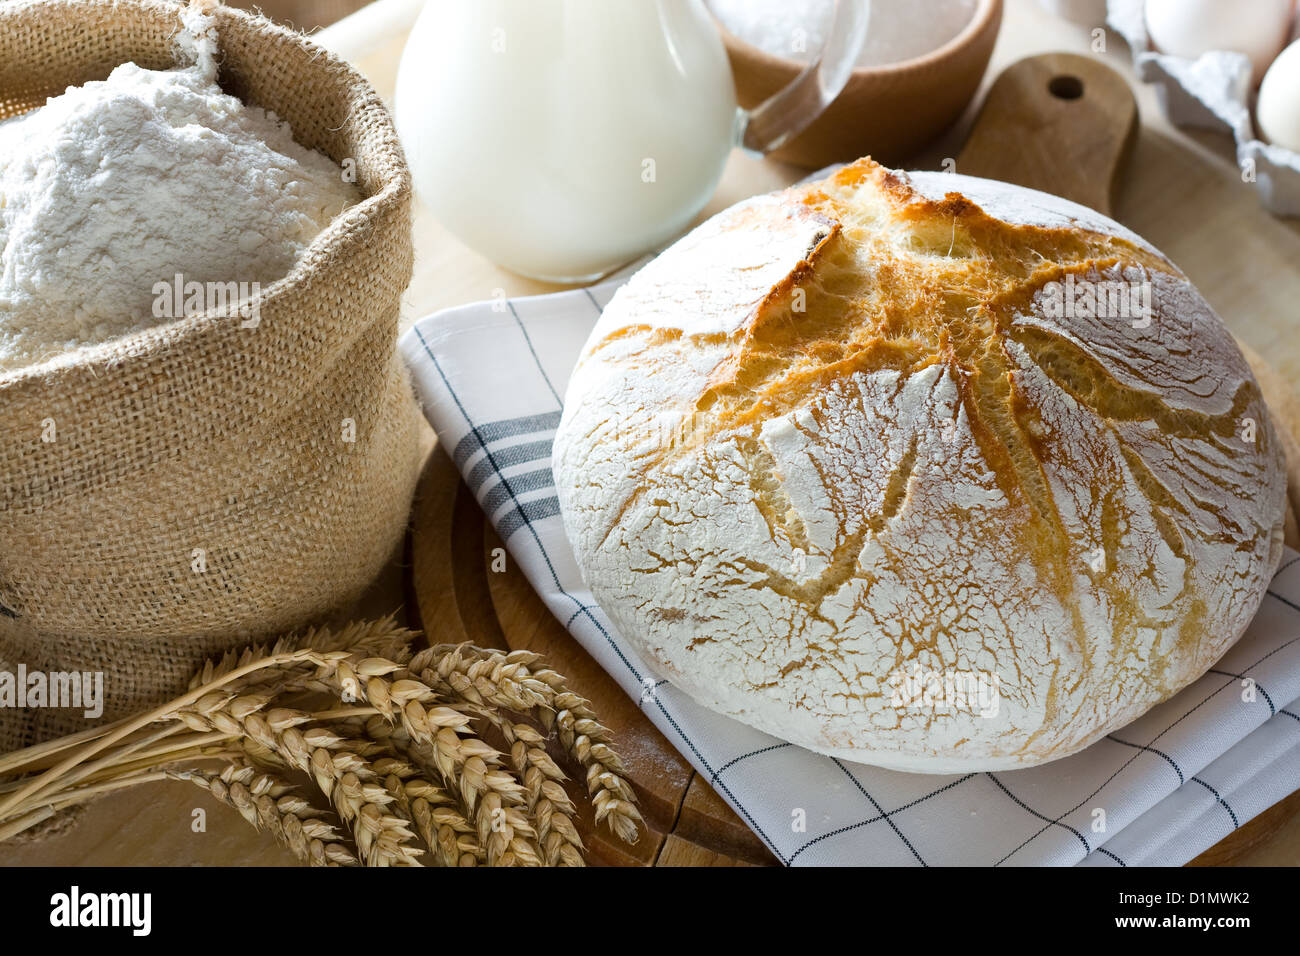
point(562, 138)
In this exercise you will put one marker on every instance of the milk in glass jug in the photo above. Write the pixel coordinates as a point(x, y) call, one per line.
point(562, 138)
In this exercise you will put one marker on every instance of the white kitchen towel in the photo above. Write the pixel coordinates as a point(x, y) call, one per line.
point(491, 377)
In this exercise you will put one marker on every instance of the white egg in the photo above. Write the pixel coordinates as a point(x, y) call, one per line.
point(1279, 100)
point(1189, 28)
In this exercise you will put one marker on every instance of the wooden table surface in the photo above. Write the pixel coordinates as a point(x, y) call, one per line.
point(1182, 192)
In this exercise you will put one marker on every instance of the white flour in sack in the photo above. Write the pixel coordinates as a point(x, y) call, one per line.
point(118, 185)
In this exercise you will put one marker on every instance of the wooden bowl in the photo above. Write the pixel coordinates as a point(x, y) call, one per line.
point(887, 112)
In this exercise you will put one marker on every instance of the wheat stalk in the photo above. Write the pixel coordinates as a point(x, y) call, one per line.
point(439, 815)
point(440, 823)
point(398, 758)
point(547, 803)
point(346, 777)
point(440, 738)
point(47, 780)
point(291, 662)
point(505, 681)
point(268, 803)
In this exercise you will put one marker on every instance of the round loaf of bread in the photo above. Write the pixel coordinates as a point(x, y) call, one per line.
point(929, 472)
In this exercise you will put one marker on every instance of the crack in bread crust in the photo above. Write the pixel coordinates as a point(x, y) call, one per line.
point(837, 433)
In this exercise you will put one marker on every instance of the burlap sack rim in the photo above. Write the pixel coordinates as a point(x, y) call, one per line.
point(335, 241)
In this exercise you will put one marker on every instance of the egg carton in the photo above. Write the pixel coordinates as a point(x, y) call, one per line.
point(1214, 92)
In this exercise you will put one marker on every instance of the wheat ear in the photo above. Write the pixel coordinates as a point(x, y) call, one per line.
point(492, 679)
point(441, 738)
point(269, 804)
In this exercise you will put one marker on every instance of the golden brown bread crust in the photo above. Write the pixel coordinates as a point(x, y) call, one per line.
point(841, 435)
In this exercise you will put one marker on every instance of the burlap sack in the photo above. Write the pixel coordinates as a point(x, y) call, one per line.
point(201, 442)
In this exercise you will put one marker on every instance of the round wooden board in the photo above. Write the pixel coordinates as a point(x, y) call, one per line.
point(465, 588)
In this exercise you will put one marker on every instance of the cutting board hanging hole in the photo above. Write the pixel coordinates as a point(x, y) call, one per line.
point(1065, 87)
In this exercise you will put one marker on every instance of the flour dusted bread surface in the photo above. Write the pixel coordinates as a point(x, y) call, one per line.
point(844, 435)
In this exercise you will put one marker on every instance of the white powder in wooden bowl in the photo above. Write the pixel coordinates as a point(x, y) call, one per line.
point(897, 30)
point(116, 186)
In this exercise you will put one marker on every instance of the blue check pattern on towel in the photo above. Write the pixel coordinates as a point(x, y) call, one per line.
point(491, 377)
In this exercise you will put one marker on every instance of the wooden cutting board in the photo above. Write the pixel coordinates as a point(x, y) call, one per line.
point(1058, 122)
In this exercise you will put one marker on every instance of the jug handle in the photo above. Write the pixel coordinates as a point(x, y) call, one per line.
point(369, 29)
point(788, 112)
